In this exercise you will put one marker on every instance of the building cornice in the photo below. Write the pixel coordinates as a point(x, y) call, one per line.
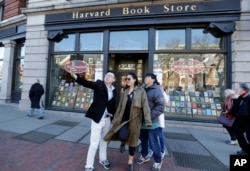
point(13, 20)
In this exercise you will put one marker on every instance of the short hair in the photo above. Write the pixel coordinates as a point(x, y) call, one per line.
point(111, 72)
point(229, 92)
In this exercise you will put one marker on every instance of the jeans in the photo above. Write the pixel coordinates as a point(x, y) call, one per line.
point(98, 131)
point(162, 139)
point(149, 137)
point(40, 111)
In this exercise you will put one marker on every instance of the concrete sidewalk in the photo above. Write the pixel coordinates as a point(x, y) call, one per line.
point(60, 142)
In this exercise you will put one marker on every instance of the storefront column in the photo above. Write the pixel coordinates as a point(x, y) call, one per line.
point(9, 47)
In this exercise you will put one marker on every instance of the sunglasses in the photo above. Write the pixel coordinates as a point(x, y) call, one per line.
point(128, 79)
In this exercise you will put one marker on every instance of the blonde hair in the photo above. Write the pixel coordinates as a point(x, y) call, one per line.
point(229, 92)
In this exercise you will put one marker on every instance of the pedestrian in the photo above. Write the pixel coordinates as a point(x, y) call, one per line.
point(149, 136)
point(128, 117)
point(242, 119)
point(229, 112)
point(100, 112)
point(35, 93)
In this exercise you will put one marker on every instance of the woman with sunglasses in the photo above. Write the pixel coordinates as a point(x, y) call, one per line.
point(128, 117)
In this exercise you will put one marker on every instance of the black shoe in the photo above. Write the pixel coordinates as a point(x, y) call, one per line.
point(131, 167)
point(241, 152)
point(29, 115)
point(122, 147)
point(41, 117)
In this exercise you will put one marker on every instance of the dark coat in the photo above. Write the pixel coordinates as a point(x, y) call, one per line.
point(243, 107)
point(139, 109)
point(100, 101)
point(155, 101)
point(35, 94)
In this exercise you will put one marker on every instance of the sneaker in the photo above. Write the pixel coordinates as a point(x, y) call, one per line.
point(29, 115)
point(163, 155)
point(143, 159)
point(41, 117)
point(232, 142)
point(156, 167)
point(105, 164)
point(89, 169)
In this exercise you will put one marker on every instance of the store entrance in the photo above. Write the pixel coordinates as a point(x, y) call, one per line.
point(122, 64)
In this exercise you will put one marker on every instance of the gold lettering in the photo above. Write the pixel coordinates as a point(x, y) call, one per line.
point(91, 14)
point(108, 12)
point(75, 15)
point(81, 15)
point(125, 11)
point(86, 14)
point(96, 14)
point(193, 7)
point(166, 8)
point(102, 12)
point(186, 7)
point(146, 10)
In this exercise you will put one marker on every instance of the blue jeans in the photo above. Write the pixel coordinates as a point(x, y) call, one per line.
point(149, 137)
point(40, 112)
point(162, 139)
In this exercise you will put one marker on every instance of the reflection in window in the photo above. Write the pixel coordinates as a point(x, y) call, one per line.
point(19, 64)
point(193, 82)
point(201, 40)
point(91, 41)
point(1, 65)
point(170, 39)
point(64, 91)
point(129, 40)
point(66, 44)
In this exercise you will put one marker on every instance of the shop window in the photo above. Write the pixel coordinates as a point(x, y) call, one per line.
point(1, 65)
point(129, 40)
point(170, 39)
point(91, 42)
point(66, 43)
point(193, 82)
point(19, 64)
point(64, 92)
point(201, 40)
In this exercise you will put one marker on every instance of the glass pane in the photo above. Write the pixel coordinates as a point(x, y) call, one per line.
point(1, 52)
point(129, 40)
point(193, 82)
point(170, 39)
point(91, 41)
point(64, 92)
point(201, 40)
point(19, 74)
point(1, 73)
point(66, 44)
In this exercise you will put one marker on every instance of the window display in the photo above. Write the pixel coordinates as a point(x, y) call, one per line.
point(193, 82)
point(64, 91)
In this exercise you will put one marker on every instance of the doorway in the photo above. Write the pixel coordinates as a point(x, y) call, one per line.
point(124, 63)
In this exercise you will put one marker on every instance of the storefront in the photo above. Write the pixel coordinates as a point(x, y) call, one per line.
point(187, 45)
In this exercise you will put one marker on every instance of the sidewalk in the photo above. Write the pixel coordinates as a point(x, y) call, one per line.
point(60, 143)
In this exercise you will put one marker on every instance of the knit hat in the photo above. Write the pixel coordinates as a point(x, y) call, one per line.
point(228, 92)
point(244, 86)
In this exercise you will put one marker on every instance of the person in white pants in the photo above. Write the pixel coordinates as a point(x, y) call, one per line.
point(101, 112)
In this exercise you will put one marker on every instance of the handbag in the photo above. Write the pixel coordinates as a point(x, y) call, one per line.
point(224, 120)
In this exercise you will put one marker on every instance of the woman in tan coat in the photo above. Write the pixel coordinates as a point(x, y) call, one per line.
point(132, 108)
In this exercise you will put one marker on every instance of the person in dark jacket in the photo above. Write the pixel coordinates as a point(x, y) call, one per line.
point(132, 107)
point(35, 93)
point(149, 136)
point(242, 119)
point(100, 112)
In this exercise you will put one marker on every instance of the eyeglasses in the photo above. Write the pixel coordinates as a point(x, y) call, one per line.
point(128, 79)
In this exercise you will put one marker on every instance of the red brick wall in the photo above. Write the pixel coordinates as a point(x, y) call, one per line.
point(11, 8)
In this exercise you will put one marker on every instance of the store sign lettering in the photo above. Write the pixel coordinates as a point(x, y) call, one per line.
point(78, 65)
point(126, 11)
point(187, 66)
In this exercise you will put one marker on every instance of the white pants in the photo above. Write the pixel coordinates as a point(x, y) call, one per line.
point(98, 131)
